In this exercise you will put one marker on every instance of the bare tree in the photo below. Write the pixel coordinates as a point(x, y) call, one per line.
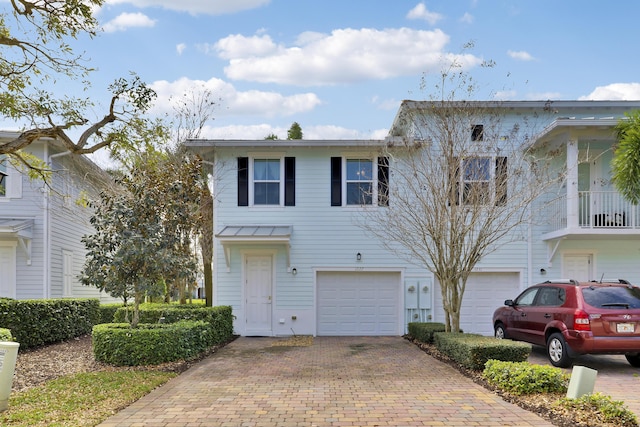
point(462, 183)
point(193, 111)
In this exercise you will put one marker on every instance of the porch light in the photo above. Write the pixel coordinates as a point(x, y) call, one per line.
point(358, 256)
point(294, 271)
point(543, 271)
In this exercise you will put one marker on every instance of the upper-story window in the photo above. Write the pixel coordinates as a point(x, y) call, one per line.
point(265, 181)
point(483, 180)
point(4, 175)
point(359, 181)
point(477, 133)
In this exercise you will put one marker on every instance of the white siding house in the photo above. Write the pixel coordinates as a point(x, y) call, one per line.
point(41, 254)
point(291, 257)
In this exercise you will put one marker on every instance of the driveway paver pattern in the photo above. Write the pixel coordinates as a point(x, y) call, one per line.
point(336, 381)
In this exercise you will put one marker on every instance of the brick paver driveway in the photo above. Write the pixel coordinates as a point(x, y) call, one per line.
point(350, 381)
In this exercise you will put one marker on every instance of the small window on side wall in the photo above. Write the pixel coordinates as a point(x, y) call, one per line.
point(477, 133)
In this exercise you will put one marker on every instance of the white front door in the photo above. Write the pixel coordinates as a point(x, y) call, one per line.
point(258, 294)
point(578, 267)
point(8, 271)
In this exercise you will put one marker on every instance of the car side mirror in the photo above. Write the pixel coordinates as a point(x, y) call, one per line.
point(509, 302)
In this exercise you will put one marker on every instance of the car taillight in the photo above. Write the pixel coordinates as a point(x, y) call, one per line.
point(581, 321)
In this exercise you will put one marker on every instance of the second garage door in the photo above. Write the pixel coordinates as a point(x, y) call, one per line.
point(484, 293)
point(358, 303)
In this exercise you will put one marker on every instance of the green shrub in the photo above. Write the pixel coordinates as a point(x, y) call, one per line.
point(611, 411)
point(108, 311)
point(220, 318)
point(150, 344)
point(5, 334)
point(35, 323)
point(423, 331)
point(525, 378)
point(473, 351)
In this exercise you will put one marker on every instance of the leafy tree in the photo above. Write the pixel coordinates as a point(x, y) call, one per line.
point(626, 160)
point(435, 216)
point(272, 136)
point(142, 240)
point(295, 131)
point(34, 53)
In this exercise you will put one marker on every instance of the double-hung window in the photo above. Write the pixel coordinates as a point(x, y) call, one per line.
point(359, 181)
point(482, 179)
point(266, 181)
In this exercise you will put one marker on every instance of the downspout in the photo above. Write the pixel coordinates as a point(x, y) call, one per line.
point(47, 226)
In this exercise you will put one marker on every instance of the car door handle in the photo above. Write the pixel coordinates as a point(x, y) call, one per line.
point(547, 315)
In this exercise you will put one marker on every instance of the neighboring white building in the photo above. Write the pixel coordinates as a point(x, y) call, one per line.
point(41, 254)
point(291, 259)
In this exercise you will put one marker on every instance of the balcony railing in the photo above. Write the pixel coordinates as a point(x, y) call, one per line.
point(597, 210)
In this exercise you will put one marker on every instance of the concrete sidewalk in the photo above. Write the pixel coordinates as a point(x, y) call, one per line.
point(336, 381)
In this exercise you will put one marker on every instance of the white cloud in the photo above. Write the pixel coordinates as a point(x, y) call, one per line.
point(421, 12)
point(209, 7)
point(125, 21)
point(180, 47)
point(467, 18)
point(236, 45)
point(615, 92)
point(260, 131)
point(233, 102)
point(344, 56)
point(520, 55)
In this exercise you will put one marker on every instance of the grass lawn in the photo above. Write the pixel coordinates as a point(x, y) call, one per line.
point(80, 400)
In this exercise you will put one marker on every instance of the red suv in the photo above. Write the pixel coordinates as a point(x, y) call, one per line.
point(572, 318)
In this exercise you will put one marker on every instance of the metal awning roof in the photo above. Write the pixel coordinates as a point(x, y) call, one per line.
point(20, 229)
point(254, 234)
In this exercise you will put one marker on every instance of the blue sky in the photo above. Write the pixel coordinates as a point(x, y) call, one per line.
point(340, 68)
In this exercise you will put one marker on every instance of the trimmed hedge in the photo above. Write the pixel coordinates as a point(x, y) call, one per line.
point(108, 311)
point(35, 323)
point(424, 331)
point(525, 378)
point(5, 335)
point(473, 351)
point(220, 318)
point(150, 344)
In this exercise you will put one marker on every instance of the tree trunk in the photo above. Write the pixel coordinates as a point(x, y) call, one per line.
point(206, 242)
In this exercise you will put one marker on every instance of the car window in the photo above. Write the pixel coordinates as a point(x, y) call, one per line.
point(527, 297)
point(613, 297)
point(551, 297)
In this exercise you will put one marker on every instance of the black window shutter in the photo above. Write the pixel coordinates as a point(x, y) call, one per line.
point(501, 181)
point(289, 181)
point(336, 181)
point(383, 181)
point(243, 181)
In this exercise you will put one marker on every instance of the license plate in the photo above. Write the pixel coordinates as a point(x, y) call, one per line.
point(625, 328)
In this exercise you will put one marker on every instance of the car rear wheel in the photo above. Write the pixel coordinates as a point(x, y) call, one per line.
point(633, 359)
point(500, 333)
point(557, 351)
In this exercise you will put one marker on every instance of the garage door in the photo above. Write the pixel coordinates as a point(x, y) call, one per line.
point(484, 293)
point(351, 304)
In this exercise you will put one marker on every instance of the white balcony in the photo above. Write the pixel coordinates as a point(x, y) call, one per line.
point(596, 213)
